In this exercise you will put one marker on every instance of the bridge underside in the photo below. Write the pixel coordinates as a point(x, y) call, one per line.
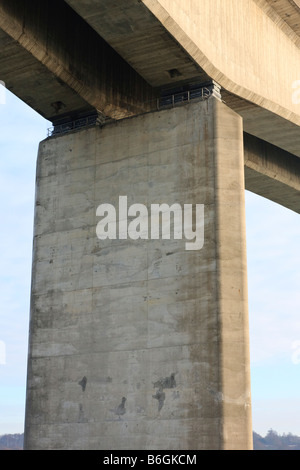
point(272, 173)
point(76, 58)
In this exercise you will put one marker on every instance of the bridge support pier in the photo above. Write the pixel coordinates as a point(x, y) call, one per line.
point(140, 344)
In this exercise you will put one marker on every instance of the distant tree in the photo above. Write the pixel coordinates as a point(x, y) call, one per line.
point(12, 442)
point(274, 441)
point(258, 442)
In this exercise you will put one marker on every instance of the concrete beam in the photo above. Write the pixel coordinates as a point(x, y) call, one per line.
point(144, 42)
point(59, 66)
point(289, 11)
point(199, 39)
point(272, 173)
point(63, 68)
point(217, 38)
point(266, 125)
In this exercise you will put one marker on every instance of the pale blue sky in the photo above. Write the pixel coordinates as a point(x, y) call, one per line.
point(273, 237)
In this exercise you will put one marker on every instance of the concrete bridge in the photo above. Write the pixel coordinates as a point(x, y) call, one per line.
point(135, 341)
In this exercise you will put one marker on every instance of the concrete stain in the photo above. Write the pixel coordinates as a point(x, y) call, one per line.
point(83, 383)
point(167, 382)
point(160, 396)
point(120, 410)
point(161, 385)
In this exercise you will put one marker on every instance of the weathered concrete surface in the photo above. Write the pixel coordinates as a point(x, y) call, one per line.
point(250, 47)
point(49, 55)
point(289, 11)
point(58, 65)
point(143, 41)
point(140, 344)
point(272, 173)
point(253, 54)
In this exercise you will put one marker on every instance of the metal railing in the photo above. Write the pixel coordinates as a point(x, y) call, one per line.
point(72, 125)
point(167, 101)
point(182, 97)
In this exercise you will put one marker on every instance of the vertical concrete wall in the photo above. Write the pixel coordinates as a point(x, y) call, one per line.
point(140, 344)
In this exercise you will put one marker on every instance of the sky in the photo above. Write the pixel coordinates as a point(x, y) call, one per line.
point(273, 239)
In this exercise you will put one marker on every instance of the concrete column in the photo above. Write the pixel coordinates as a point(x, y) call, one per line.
point(141, 344)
